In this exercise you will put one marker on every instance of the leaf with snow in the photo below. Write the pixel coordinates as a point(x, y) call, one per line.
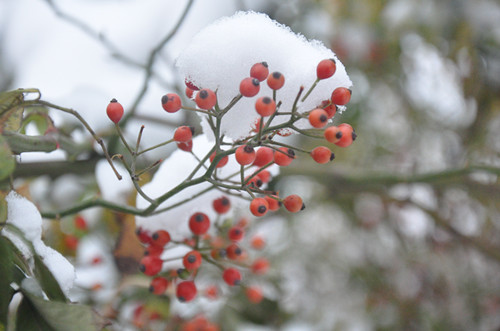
point(221, 55)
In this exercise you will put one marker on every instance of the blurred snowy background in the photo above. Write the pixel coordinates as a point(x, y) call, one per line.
point(400, 232)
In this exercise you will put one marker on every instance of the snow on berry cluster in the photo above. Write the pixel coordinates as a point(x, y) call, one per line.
point(253, 82)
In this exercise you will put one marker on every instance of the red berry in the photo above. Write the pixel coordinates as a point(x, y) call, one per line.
point(257, 242)
point(333, 134)
point(150, 265)
point(265, 106)
point(348, 135)
point(255, 181)
point(232, 276)
point(160, 238)
point(158, 285)
point(318, 118)
point(284, 156)
point(249, 87)
point(259, 206)
point(274, 204)
point(329, 107)
point(114, 111)
point(341, 96)
point(80, 223)
point(233, 252)
point(192, 260)
point(235, 233)
point(185, 146)
point(71, 241)
point(186, 291)
point(322, 155)
point(222, 162)
point(293, 203)
point(254, 294)
point(276, 80)
point(212, 292)
point(190, 85)
point(264, 176)
point(245, 154)
point(260, 71)
point(326, 68)
point(221, 205)
point(218, 253)
point(144, 236)
point(206, 99)
point(260, 266)
point(199, 223)
point(171, 102)
point(263, 156)
point(153, 250)
point(183, 134)
point(189, 93)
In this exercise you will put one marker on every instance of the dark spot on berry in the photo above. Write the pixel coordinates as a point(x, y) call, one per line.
point(142, 267)
point(264, 64)
point(155, 236)
point(222, 253)
point(291, 153)
point(236, 282)
point(203, 94)
point(191, 259)
point(338, 135)
point(238, 251)
point(258, 182)
point(224, 201)
point(255, 82)
point(276, 75)
point(333, 60)
point(267, 100)
point(113, 100)
point(354, 135)
point(248, 149)
point(236, 232)
point(198, 218)
point(151, 288)
point(164, 99)
point(323, 118)
point(181, 299)
point(261, 209)
point(303, 206)
point(332, 157)
point(350, 91)
point(192, 129)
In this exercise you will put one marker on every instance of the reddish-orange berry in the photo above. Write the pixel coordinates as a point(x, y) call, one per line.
point(80, 223)
point(260, 266)
point(293, 203)
point(185, 146)
point(171, 102)
point(235, 233)
point(212, 292)
point(218, 253)
point(232, 276)
point(190, 85)
point(144, 236)
point(276, 80)
point(259, 206)
point(249, 87)
point(70, 241)
point(329, 107)
point(348, 135)
point(322, 154)
point(189, 92)
point(333, 134)
point(318, 118)
point(257, 242)
point(233, 252)
point(326, 68)
point(222, 162)
point(150, 265)
point(265, 106)
point(254, 294)
point(153, 250)
point(264, 176)
point(206, 99)
point(255, 181)
point(186, 291)
point(260, 71)
point(341, 96)
point(284, 156)
point(263, 156)
point(221, 205)
point(183, 134)
point(192, 260)
point(160, 238)
point(114, 111)
point(274, 204)
point(199, 223)
point(158, 285)
point(245, 154)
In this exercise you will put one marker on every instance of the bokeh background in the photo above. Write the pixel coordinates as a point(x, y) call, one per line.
point(401, 232)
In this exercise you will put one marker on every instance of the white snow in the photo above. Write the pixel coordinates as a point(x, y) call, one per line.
point(221, 55)
point(23, 214)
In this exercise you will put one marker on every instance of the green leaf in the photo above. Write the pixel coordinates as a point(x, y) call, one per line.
point(47, 281)
point(6, 277)
point(61, 316)
point(11, 110)
point(7, 162)
point(29, 318)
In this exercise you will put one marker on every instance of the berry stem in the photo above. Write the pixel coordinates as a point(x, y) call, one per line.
point(134, 178)
point(294, 107)
point(310, 89)
point(155, 146)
